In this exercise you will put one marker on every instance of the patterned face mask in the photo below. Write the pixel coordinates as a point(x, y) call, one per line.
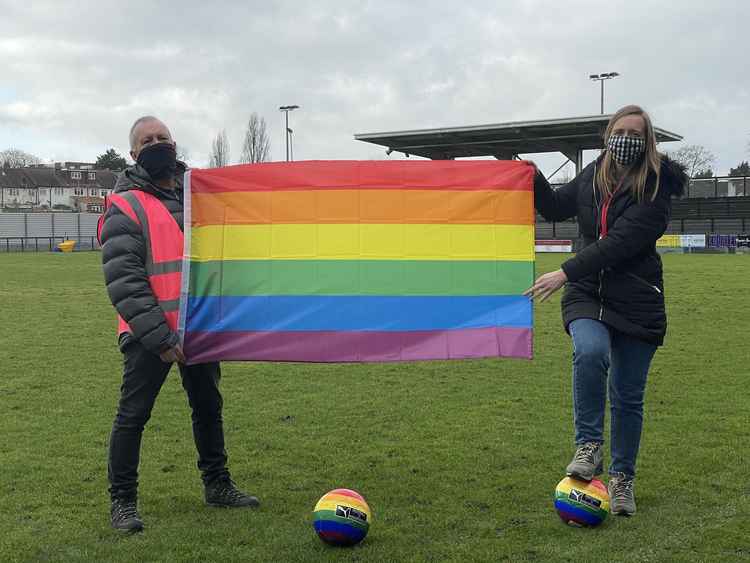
point(625, 150)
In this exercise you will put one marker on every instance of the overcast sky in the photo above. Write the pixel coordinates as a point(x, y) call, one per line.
point(74, 75)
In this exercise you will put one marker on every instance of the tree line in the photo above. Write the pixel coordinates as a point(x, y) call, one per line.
point(256, 147)
point(699, 162)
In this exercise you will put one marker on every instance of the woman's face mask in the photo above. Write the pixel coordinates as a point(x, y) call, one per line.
point(627, 140)
point(625, 149)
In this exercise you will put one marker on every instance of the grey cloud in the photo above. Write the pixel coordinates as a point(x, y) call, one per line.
point(81, 76)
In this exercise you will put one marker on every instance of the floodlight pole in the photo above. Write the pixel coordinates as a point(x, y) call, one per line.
point(601, 78)
point(286, 110)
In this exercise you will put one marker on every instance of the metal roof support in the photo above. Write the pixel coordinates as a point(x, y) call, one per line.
point(504, 155)
point(579, 161)
point(575, 155)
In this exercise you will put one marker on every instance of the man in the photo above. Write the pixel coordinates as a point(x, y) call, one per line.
point(141, 236)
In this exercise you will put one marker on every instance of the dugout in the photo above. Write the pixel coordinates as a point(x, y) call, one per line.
point(505, 141)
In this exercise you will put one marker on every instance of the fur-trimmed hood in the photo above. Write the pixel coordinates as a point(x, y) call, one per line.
point(673, 176)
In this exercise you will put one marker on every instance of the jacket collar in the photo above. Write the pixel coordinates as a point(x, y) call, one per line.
point(136, 177)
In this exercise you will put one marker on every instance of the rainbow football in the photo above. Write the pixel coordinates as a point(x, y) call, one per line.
point(342, 517)
point(581, 504)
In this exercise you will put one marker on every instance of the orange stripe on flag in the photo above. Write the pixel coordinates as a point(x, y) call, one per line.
point(362, 206)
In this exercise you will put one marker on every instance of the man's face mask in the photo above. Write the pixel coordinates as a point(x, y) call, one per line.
point(159, 160)
point(626, 150)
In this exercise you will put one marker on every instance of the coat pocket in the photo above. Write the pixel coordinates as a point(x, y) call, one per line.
point(644, 282)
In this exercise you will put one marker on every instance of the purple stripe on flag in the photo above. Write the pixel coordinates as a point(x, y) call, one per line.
point(326, 346)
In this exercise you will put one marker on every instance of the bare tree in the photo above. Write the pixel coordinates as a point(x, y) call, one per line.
point(256, 146)
point(219, 150)
point(695, 158)
point(15, 158)
point(183, 154)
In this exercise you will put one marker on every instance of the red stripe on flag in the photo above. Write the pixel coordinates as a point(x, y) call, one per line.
point(365, 175)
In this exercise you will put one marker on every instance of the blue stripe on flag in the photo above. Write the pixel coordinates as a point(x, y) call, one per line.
point(356, 313)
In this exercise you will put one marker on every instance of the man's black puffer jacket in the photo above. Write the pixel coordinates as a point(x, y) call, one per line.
point(616, 279)
point(124, 262)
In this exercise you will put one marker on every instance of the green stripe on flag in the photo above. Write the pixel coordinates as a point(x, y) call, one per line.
point(359, 277)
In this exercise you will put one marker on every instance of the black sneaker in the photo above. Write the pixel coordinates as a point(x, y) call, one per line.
point(125, 517)
point(224, 492)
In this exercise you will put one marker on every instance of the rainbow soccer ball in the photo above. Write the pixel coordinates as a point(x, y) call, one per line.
point(581, 504)
point(342, 517)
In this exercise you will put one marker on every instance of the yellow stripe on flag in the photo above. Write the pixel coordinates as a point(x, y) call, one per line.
point(363, 241)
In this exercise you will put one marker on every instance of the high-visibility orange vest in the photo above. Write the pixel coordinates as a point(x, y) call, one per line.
point(164, 247)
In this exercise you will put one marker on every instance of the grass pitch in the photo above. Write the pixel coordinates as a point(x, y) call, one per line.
point(458, 460)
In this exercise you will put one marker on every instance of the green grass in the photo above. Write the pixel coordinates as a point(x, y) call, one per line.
point(458, 460)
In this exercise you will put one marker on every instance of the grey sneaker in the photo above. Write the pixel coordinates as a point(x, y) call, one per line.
point(125, 517)
point(621, 496)
point(587, 462)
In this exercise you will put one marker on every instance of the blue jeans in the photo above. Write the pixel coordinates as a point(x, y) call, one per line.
point(599, 350)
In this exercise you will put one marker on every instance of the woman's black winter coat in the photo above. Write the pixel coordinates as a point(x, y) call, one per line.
point(616, 279)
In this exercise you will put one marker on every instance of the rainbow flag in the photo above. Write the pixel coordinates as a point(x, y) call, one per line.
point(349, 261)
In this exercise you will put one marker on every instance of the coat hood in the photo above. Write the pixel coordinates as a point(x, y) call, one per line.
point(673, 176)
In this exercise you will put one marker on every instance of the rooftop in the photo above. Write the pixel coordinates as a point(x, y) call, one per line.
point(503, 140)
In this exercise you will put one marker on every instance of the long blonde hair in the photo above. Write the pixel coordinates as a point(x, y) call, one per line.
point(650, 160)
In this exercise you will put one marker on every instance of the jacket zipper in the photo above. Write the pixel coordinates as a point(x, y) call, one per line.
point(640, 279)
point(597, 221)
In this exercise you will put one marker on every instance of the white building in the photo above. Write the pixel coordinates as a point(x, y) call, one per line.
point(69, 186)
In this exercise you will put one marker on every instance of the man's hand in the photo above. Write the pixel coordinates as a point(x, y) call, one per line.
point(174, 354)
point(546, 285)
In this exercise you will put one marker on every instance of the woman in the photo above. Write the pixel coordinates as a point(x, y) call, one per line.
point(613, 305)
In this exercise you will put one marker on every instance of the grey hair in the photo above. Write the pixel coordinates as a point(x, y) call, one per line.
point(137, 122)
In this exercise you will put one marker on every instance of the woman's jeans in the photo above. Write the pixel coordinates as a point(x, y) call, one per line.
point(599, 350)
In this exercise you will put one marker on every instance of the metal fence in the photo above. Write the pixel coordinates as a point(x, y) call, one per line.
point(718, 186)
point(45, 244)
point(41, 232)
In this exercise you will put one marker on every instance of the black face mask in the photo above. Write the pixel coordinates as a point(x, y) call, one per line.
point(159, 160)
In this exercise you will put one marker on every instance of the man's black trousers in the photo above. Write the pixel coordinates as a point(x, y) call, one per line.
point(143, 375)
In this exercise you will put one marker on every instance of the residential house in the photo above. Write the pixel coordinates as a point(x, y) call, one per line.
point(68, 186)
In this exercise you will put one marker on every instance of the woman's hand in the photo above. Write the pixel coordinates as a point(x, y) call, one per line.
point(546, 285)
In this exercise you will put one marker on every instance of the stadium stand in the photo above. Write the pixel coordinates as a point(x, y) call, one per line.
point(709, 216)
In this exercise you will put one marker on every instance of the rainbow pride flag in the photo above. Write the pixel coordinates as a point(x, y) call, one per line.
point(358, 261)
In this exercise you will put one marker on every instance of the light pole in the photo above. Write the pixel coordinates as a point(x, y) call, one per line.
point(601, 78)
point(286, 110)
